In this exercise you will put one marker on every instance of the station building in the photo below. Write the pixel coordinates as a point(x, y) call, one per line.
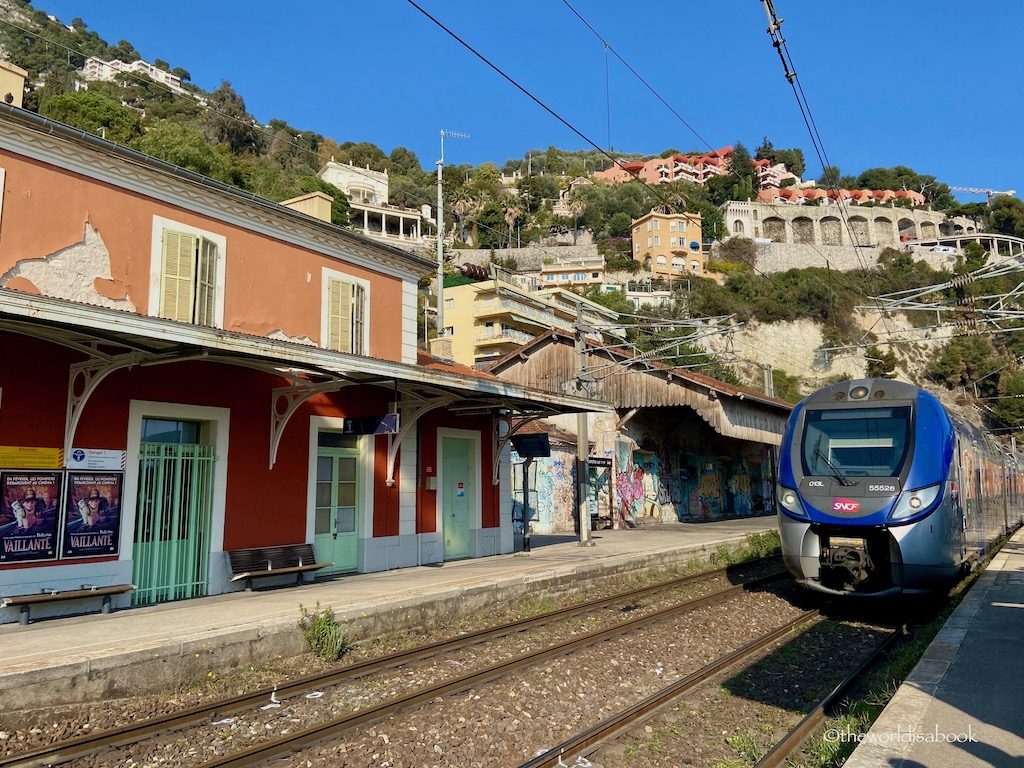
point(189, 370)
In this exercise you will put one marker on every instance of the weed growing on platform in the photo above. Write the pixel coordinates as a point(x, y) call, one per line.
point(323, 635)
point(754, 547)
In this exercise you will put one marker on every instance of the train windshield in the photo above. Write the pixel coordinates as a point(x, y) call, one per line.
point(865, 442)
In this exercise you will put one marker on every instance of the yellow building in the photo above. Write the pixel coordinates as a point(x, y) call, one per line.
point(12, 83)
point(486, 320)
point(669, 244)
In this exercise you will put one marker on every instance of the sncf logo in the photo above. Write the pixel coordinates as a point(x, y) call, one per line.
point(845, 505)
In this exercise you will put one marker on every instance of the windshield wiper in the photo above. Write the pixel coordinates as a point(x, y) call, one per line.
point(835, 472)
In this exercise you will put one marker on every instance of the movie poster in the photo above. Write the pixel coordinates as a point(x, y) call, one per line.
point(28, 515)
point(93, 514)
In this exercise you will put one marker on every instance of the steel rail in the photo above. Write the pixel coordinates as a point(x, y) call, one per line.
point(331, 728)
point(615, 725)
point(72, 749)
point(814, 719)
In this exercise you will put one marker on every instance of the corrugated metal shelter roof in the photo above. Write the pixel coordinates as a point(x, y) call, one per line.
point(549, 361)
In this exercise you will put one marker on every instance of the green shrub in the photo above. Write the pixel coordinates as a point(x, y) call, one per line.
point(323, 635)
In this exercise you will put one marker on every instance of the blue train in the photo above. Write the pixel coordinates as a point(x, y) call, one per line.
point(881, 491)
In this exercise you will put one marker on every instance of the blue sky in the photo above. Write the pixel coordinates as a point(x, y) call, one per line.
point(931, 85)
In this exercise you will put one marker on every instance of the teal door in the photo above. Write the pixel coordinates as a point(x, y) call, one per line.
point(336, 526)
point(171, 550)
point(458, 495)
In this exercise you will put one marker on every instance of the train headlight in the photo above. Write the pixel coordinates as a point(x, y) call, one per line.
point(911, 503)
point(789, 501)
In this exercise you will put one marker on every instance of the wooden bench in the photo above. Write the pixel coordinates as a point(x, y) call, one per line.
point(54, 596)
point(261, 562)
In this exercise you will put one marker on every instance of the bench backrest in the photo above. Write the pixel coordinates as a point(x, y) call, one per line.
point(258, 558)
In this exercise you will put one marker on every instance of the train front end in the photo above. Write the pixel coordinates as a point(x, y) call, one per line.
point(864, 500)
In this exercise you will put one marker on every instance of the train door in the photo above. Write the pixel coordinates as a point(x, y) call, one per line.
point(1004, 469)
point(958, 492)
point(978, 529)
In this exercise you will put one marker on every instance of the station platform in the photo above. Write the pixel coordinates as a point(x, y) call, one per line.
point(95, 656)
point(963, 704)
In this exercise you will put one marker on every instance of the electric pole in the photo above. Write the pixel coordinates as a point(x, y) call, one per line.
point(440, 230)
point(582, 436)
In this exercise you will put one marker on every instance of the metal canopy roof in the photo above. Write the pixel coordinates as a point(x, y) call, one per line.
point(115, 335)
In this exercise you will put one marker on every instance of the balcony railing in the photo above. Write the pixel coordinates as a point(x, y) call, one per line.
point(505, 335)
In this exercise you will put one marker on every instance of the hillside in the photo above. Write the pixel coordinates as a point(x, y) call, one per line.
point(803, 323)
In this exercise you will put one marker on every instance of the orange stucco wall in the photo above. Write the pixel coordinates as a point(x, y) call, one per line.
point(269, 285)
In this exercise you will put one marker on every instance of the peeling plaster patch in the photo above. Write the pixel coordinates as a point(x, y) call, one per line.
point(24, 285)
point(279, 335)
point(74, 273)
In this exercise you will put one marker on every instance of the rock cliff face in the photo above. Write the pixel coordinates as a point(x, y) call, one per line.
point(799, 348)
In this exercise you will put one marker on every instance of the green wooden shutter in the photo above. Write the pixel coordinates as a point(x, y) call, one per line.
point(339, 316)
point(206, 283)
point(358, 318)
point(177, 278)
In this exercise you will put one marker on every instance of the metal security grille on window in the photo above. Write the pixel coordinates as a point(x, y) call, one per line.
point(188, 280)
point(345, 317)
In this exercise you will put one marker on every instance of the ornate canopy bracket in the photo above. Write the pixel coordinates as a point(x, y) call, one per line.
point(285, 401)
point(410, 414)
point(83, 379)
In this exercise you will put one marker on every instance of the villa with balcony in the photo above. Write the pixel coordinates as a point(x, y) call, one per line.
point(372, 214)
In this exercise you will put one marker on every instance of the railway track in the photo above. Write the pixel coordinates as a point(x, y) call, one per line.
point(583, 743)
point(66, 751)
point(813, 720)
point(586, 743)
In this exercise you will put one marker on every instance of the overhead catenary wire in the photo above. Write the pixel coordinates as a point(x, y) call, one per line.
point(609, 47)
point(689, 127)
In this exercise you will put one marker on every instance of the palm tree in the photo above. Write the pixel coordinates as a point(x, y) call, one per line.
point(513, 208)
point(466, 207)
point(577, 207)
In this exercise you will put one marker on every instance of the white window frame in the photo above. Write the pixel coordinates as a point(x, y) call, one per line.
point(325, 282)
point(366, 446)
point(161, 225)
point(3, 179)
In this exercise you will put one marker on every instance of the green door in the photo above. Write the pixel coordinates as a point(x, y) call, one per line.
point(336, 535)
point(171, 550)
point(458, 496)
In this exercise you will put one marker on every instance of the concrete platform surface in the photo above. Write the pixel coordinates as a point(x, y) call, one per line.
point(963, 704)
point(93, 656)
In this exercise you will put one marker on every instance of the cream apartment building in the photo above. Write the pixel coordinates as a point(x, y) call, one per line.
point(487, 320)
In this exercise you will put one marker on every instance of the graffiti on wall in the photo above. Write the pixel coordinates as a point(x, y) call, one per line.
point(641, 485)
point(555, 478)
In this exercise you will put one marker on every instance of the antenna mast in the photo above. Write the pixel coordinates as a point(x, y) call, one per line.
point(440, 230)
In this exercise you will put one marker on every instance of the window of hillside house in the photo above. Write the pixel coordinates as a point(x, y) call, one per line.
point(188, 278)
point(346, 313)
